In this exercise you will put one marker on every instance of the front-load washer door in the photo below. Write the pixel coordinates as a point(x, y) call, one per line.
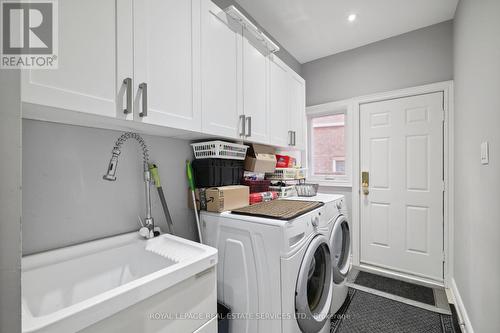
point(340, 246)
point(314, 283)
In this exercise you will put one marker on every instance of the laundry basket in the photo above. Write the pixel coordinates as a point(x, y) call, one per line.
point(219, 149)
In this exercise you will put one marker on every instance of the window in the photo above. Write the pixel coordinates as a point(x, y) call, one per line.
point(339, 167)
point(328, 148)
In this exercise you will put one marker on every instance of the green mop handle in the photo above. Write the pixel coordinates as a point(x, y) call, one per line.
point(153, 169)
point(189, 173)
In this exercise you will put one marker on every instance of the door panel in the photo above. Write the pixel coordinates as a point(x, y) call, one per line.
point(279, 104)
point(402, 216)
point(95, 56)
point(255, 90)
point(297, 109)
point(221, 72)
point(166, 57)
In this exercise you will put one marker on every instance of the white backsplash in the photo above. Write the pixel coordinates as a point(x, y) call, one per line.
point(65, 199)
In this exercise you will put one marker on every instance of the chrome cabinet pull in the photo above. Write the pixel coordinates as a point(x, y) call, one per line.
point(249, 126)
point(144, 88)
point(290, 136)
point(294, 138)
point(242, 122)
point(128, 86)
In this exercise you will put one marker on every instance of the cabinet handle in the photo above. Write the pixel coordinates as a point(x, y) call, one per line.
point(294, 138)
point(144, 88)
point(249, 126)
point(290, 135)
point(128, 86)
point(242, 122)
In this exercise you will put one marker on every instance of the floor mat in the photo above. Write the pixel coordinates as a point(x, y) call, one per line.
point(364, 312)
point(396, 287)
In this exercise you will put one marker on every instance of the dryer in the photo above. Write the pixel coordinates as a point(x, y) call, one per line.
point(276, 276)
point(340, 247)
point(339, 235)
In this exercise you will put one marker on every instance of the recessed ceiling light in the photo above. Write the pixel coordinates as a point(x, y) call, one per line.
point(351, 17)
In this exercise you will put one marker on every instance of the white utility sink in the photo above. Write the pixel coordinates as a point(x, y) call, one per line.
point(72, 288)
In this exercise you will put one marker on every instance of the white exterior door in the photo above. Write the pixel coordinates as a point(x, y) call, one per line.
point(402, 215)
point(255, 90)
point(279, 103)
point(95, 56)
point(166, 58)
point(221, 72)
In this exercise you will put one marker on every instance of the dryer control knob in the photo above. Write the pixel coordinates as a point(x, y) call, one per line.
point(315, 221)
point(339, 204)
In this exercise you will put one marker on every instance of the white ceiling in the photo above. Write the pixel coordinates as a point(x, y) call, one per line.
point(312, 29)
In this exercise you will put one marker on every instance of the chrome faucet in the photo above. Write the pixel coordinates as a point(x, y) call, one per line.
point(148, 230)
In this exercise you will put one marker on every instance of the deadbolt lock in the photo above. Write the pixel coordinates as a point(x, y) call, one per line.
point(365, 182)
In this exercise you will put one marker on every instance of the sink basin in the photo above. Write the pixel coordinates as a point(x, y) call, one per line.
point(72, 288)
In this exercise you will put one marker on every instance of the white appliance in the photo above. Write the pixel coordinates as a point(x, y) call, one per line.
point(276, 276)
point(339, 237)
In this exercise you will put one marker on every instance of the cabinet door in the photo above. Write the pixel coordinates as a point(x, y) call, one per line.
point(279, 122)
point(255, 90)
point(166, 58)
point(297, 110)
point(221, 69)
point(95, 56)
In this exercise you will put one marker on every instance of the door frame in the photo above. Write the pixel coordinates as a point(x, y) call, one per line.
point(446, 87)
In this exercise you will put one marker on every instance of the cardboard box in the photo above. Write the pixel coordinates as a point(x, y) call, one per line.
point(260, 158)
point(223, 198)
point(200, 204)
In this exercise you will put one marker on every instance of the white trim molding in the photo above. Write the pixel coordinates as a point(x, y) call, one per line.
point(447, 88)
point(463, 317)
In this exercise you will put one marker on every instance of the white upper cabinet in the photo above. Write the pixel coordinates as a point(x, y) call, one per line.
point(297, 89)
point(95, 56)
point(255, 90)
point(221, 68)
point(279, 103)
point(187, 67)
point(166, 63)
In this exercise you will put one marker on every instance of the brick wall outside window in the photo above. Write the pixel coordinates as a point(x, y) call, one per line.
point(328, 141)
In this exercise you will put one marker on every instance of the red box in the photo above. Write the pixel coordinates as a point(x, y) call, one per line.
point(284, 161)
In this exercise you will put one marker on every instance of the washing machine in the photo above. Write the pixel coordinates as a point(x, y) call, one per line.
point(339, 235)
point(274, 275)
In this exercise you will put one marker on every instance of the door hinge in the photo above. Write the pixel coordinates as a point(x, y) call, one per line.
point(443, 115)
point(443, 186)
point(444, 256)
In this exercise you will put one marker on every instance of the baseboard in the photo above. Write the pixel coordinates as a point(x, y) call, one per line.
point(463, 317)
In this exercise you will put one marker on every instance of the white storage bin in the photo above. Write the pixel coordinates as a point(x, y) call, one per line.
point(284, 191)
point(219, 149)
point(287, 174)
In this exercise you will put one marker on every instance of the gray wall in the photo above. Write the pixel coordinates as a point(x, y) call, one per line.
point(477, 187)
point(282, 53)
point(415, 58)
point(10, 201)
point(65, 199)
